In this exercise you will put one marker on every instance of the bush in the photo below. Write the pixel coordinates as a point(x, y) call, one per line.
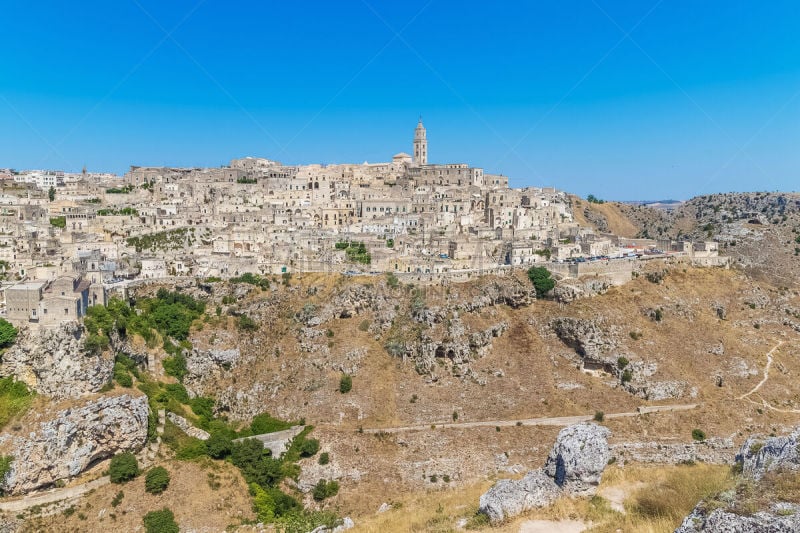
point(599, 416)
point(345, 384)
point(309, 447)
point(162, 521)
point(15, 399)
point(541, 280)
point(325, 489)
point(622, 362)
point(627, 375)
point(8, 333)
point(218, 445)
point(364, 325)
point(175, 366)
point(247, 324)
point(157, 480)
point(265, 423)
point(698, 435)
point(123, 468)
point(324, 458)
point(117, 499)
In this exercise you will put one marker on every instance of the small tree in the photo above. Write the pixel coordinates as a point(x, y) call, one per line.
point(309, 447)
point(345, 384)
point(324, 458)
point(162, 521)
point(698, 434)
point(51, 193)
point(325, 489)
point(123, 468)
point(542, 282)
point(218, 445)
point(8, 333)
point(157, 480)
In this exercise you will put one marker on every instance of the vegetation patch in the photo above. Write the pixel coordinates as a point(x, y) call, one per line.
point(15, 399)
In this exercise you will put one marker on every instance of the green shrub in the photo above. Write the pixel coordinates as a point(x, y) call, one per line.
point(157, 480)
point(364, 325)
point(599, 416)
point(117, 499)
point(162, 521)
point(123, 468)
point(541, 279)
point(325, 489)
point(627, 375)
point(175, 366)
point(8, 333)
point(309, 447)
point(345, 384)
point(218, 445)
point(264, 423)
point(622, 362)
point(324, 458)
point(698, 434)
point(5, 468)
point(15, 399)
point(247, 324)
point(58, 222)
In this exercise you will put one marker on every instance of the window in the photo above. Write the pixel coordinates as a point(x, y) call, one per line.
point(66, 311)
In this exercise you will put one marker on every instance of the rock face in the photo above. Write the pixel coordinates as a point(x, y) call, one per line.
point(207, 365)
point(579, 457)
point(574, 466)
point(757, 457)
point(781, 519)
point(761, 456)
point(73, 440)
point(54, 363)
point(509, 498)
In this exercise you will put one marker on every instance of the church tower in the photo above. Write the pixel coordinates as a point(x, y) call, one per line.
point(420, 144)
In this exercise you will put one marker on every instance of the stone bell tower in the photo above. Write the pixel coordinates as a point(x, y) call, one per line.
point(420, 144)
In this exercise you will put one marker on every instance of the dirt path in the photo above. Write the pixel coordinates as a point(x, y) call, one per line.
point(766, 372)
point(549, 421)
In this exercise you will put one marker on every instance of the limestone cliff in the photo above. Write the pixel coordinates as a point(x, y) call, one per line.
point(54, 363)
point(68, 442)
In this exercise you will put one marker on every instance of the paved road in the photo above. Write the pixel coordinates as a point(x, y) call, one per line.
point(551, 421)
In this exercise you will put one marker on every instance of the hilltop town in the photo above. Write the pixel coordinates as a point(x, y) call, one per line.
point(69, 239)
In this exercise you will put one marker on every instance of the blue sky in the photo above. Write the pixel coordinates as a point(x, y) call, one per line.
point(625, 99)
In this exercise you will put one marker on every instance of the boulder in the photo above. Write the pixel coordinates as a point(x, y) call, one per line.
point(509, 497)
point(759, 456)
point(66, 444)
point(579, 457)
point(574, 466)
point(54, 363)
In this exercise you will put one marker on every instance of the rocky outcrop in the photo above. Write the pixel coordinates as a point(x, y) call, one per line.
point(760, 506)
point(208, 365)
point(574, 467)
point(578, 457)
point(184, 425)
point(584, 336)
point(569, 290)
point(508, 291)
point(759, 456)
point(509, 498)
point(73, 440)
point(54, 363)
point(782, 518)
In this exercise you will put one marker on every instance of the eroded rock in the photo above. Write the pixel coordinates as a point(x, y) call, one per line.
point(54, 363)
point(73, 439)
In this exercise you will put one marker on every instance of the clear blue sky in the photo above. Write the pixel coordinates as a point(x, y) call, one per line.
point(625, 99)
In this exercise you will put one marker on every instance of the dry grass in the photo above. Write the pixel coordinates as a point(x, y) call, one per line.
point(669, 493)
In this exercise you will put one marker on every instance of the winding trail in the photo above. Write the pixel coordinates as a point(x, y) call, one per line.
point(764, 403)
point(547, 421)
point(766, 372)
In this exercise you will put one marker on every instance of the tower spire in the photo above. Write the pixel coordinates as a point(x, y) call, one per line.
point(420, 144)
